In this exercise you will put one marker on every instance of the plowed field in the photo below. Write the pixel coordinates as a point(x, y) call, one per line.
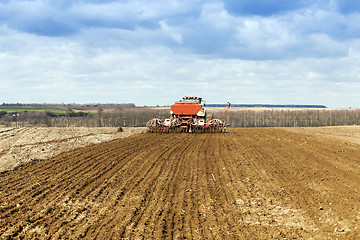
point(245, 184)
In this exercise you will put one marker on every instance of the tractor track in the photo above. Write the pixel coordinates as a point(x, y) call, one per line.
point(245, 184)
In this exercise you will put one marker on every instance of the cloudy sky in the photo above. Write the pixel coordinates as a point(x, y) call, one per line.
point(154, 52)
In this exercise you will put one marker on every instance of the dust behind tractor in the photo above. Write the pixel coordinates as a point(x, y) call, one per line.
point(187, 115)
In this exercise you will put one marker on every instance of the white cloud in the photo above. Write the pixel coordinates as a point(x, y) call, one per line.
point(46, 69)
point(314, 76)
point(176, 36)
point(156, 52)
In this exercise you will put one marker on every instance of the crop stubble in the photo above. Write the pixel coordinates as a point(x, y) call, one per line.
point(248, 183)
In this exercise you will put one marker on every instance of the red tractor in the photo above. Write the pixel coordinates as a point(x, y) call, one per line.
point(187, 115)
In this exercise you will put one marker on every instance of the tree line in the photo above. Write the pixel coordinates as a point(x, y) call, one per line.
point(102, 118)
point(139, 116)
point(290, 117)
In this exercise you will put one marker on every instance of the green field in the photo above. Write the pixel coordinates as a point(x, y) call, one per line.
point(37, 109)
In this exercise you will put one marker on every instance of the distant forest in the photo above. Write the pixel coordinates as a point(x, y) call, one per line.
point(138, 116)
point(62, 105)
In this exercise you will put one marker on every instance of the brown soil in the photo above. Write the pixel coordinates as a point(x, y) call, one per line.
point(245, 184)
point(342, 133)
point(20, 145)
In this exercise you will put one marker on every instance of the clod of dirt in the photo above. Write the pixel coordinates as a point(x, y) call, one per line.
point(239, 202)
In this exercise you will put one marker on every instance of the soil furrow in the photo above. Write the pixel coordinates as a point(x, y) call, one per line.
point(257, 183)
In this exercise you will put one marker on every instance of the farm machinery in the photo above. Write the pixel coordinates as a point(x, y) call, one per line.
point(187, 115)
